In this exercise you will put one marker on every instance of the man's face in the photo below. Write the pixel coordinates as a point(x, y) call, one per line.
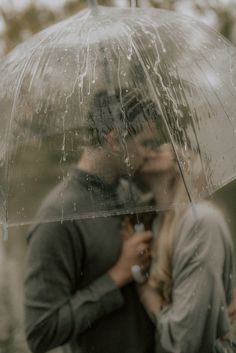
point(139, 148)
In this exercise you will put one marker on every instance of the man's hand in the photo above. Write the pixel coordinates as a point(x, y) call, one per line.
point(135, 251)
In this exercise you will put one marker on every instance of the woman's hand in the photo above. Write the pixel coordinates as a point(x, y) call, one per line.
point(135, 251)
point(232, 308)
point(151, 300)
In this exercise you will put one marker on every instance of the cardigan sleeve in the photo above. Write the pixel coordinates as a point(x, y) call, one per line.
point(197, 315)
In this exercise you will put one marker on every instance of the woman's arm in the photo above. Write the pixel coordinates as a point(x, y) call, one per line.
point(197, 315)
point(150, 299)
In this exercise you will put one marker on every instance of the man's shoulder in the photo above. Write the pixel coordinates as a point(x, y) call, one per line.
point(65, 199)
point(62, 203)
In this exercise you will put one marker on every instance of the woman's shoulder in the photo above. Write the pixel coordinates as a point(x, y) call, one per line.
point(202, 233)
point(205, 213)
point(204, 219)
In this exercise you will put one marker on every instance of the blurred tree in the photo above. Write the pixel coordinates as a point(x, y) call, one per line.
point(20, 24)
point(163, 4)
point(226, 16)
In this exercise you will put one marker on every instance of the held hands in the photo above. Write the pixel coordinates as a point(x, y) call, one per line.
point(135, 251)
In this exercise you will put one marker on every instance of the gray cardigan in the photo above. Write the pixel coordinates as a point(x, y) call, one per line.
point(202, 285)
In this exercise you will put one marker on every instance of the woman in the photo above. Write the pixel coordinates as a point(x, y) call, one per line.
point(191, 279)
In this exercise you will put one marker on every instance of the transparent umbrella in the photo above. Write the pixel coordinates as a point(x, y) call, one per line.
point(73, 84)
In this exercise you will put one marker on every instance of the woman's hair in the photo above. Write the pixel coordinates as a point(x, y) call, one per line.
point(192, 172)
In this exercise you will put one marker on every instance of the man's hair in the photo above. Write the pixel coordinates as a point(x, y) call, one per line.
point(125, 112)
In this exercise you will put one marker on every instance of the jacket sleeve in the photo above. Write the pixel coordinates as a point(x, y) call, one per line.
point(197, 314)
point(55, 311)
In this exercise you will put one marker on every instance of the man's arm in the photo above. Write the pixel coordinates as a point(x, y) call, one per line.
point(54, 310)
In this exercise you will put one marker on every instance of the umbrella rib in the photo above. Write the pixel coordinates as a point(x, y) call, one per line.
point(216, 95)
point(166, 125)
point(14, 109)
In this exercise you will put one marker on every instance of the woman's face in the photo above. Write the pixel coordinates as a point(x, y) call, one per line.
point(160, 171)
point(139, 148)
point(159, 161)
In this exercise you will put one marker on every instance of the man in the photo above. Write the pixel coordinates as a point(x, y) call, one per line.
point(79, 290)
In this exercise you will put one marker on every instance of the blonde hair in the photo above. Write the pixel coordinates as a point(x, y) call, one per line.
point(191, 170)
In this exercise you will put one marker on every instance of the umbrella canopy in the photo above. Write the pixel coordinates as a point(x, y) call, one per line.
point(122, 70)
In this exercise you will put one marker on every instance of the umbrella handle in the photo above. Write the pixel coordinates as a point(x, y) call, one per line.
point(92, 3)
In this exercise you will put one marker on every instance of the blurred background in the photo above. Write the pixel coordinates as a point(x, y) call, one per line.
point(19, 19)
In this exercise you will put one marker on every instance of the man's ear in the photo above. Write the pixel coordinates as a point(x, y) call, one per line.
point(113, 141)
